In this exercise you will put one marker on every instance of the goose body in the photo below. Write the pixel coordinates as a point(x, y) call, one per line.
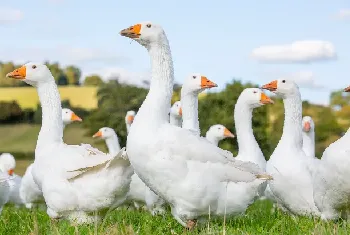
point(186, 170)
point(76, 180)
point(292, 186)
point(29, 191)
point(7, 166)
point(331, 181)
point(5, 190)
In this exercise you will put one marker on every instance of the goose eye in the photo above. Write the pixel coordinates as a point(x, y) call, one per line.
point(149, 25)
point(34, 67)
point(284, 81)
point(254, 92)
point(194, 77)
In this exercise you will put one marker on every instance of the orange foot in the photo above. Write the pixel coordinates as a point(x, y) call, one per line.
point(191, 224)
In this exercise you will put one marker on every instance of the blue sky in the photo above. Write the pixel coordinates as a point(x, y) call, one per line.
point(215, 38)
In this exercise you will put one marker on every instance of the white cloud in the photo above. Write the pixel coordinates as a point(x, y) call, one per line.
point(9, 15)
point(63, 54)
point(343, 14)
point(297, 52)
point(304, 79)
point(123, 76)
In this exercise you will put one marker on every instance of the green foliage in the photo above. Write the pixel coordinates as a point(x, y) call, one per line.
point(93, 80)
point(217, 108)
point(10, 112)
point(73, 75)
point(114, 100)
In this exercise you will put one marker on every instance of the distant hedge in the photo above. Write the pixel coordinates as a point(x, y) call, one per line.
point(22, 155)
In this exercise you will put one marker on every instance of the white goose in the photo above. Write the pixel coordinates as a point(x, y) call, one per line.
point(176, 114)
point(292, 186)
point(193, 85)
point(331, 179)
point(29, 191)
point(241, 195)
point(4, 189)
point(111, 138)
point(308, 127)
point(218, 132)
point(7, 166)
point(186, 170)
point(76, 180)
point(129, 118)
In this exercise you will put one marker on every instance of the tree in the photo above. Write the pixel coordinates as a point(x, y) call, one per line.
point(73, 75)
point(62, 80)
point(114, 100)
point(10, 112)
point(93, 80)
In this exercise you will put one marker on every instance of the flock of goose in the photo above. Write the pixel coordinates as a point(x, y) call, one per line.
point(167, 162)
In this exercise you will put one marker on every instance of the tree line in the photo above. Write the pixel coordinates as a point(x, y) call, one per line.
point(115, 99)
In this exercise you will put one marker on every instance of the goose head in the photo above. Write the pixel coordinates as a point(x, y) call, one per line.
point(7, 163)
point(68, 116)
point(254, 97)
point(219, 132)
point(176, 110)
point(282, 87)
point(308, 124)
point(196, 83)
point(145, 33)
point(32, 73)
point(129, 118)
point(104, 133)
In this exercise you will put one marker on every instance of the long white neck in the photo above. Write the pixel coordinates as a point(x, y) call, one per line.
point(309, 143)
point(127, 127)
point(189, 102)
point(291, 135)
point(157, 103)
point(113, 144)
point(212, 138)
point(52, 126)
point(175, 120)
point(247, 145)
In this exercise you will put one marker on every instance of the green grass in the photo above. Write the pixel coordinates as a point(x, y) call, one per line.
point(259, 219)
point(27, 97)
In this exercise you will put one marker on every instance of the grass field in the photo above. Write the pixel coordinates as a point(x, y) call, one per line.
point(259, 219)
point(27, 97)
point(22, 138)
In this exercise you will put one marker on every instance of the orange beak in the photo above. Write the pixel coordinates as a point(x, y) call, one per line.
point(10, 172)
point(97, 134)
point(228, 133)
point(130, 119)
point(132, 32)
point(206, 83)
point(180, 111)
point(75, 117)
point(307, 126)
point(264, 99)
point(272, 86)
point(19, 73)
point(347, 89)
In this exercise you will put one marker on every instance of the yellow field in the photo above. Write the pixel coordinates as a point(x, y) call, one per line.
point(83, 97)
